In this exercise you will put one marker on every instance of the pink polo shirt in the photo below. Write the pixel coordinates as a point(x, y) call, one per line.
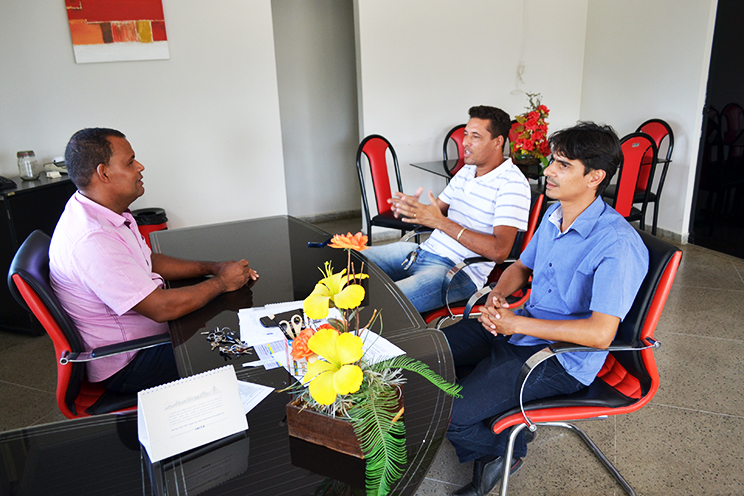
point(100, 267)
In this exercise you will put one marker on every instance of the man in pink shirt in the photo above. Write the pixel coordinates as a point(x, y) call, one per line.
point(107, 278)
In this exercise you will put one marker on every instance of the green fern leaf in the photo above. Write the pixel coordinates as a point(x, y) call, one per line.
point(381, 440)
point(411, 365)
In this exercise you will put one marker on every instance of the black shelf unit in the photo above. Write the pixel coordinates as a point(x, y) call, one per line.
point(31, 205)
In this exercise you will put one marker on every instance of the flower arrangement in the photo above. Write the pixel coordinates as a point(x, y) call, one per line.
point(344, 383)
point(529, 135)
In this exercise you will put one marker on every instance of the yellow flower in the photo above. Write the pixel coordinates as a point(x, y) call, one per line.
point(335, 288)
point(336, 375)
point(349, 241)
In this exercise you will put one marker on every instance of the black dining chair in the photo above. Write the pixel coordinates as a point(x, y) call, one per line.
point(622, 195)
point(375, 148)
point(455, 135)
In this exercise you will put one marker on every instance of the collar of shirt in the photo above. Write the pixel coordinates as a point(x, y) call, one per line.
point(471, 169)
point(584, 223)
point(102, 212)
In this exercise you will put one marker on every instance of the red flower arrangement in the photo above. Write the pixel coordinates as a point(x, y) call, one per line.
point(529, 135)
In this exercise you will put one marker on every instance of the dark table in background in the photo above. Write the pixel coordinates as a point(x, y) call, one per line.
point(102, 455)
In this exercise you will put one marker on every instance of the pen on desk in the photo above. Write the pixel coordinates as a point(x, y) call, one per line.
point(315, 244)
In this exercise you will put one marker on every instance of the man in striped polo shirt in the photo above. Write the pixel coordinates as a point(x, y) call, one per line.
point(477, 214)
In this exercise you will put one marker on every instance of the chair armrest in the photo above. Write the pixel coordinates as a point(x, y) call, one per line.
point(416, 232)
point(559, 347)
point(474, 299)
point(477, 295)
point(563, 347)
point(115, 349)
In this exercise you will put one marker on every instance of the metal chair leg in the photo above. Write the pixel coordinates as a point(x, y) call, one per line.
point(513, 433)
point(584, 437)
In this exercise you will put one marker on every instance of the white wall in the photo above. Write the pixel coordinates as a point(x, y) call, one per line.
point(314, 43)
point(205, 123)
point(650, 59)
point(423, 63)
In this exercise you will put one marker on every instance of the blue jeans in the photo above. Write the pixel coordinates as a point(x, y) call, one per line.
point(490, 389)
point(424, 281)
point(149, 368)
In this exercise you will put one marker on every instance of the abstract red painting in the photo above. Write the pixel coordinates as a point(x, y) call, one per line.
point(117, 30)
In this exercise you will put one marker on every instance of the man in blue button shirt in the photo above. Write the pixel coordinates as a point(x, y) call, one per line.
point(587, 265)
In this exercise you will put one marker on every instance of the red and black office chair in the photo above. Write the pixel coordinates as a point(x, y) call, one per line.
point(28, 280)
point(464, 308)
point(374, 147)
point(628, 379)
point(636, 147)
point(456, 134)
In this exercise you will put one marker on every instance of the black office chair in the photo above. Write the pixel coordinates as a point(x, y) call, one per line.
point(627, 381)
point(28, 280)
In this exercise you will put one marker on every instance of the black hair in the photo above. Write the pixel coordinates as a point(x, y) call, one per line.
point(499, 121)
point(594, 145)
point(86, 149)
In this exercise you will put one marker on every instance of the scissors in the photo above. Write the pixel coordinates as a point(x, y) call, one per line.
point(293, 327)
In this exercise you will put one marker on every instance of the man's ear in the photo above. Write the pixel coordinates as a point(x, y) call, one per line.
point(101, 173)
point(499, 142)
point(596, 176)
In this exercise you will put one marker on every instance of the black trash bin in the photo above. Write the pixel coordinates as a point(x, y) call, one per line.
point(150, 220)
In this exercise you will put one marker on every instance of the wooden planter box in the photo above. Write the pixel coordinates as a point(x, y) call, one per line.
point(317, 428)
point(332, 432)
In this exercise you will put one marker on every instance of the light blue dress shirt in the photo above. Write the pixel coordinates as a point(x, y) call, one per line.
point(596, 265)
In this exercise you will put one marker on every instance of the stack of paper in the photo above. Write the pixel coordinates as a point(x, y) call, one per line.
point(270, 343)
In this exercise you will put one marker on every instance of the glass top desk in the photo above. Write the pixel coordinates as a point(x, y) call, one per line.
point(438, 167)
point(442, 168)
point(102, 455)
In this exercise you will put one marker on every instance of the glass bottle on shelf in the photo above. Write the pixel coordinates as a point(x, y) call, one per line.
point(28, 167)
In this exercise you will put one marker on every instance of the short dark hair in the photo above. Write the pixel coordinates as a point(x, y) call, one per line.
point(86, 149)
point(594, 145)
point(500, 122)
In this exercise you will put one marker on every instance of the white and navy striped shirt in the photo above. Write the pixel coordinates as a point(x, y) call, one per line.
point(499, 198)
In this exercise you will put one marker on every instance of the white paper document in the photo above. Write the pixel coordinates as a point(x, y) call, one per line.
point(269, 343)
point(376, 348)
point(193, 411)
point(252, 394)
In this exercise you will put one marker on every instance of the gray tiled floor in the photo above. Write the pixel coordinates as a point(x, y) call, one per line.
point(688, 440)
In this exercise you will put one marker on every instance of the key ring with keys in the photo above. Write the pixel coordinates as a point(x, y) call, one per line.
point(224, 339)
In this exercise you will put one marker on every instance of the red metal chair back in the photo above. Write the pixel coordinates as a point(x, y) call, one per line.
point(374, 147)
point(456, 134)
point(659, 131)
point(635, 147)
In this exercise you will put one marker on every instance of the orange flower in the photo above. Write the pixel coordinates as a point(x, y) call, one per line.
point(299, 344)
point(357, 242)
